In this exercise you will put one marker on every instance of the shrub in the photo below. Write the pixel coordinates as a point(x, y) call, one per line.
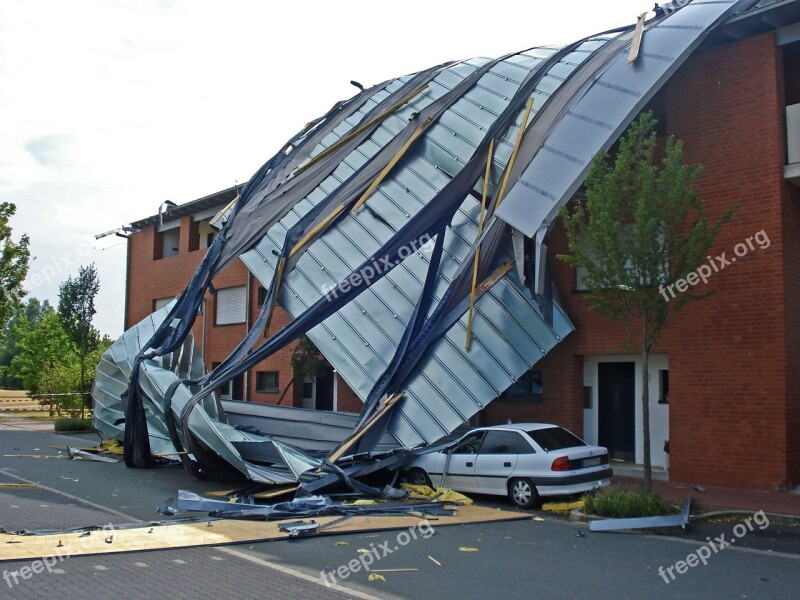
point(74, 424)
point(623, 502)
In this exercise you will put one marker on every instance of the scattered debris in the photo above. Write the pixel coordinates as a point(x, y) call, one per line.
point(434, 561)
point(467, 549)
point(442, 494)
point(562, 506)
point(341, 544)
point(64, 477)
point(376, 577)
point(299, 528)
point(395, 570)
point(580, 534)
point(17, 486)
point(83, 454)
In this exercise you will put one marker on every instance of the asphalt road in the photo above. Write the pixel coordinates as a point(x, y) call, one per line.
point(530, 558)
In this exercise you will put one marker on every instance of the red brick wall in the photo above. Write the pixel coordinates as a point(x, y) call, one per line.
point(734, 378)
point(150, 279)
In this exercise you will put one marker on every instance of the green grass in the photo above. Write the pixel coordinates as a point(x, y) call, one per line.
point(74, 424)
point(623, 502)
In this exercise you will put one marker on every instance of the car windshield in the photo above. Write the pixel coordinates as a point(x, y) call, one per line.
point(555, 438)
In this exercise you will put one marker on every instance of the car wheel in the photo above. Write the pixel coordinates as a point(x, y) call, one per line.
point(417, 476)
point(522, 493)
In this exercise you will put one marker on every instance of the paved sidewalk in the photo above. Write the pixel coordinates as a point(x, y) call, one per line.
point(20, 423)
point(779, 503)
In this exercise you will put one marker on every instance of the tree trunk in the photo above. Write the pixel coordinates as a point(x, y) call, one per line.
point(648, 466)
point(83, 375)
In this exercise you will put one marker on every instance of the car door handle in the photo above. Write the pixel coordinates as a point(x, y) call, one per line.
point(469, 464)
point(506, 464)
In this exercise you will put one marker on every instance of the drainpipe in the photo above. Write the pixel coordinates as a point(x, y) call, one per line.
point(248, 324)
point(335, 391)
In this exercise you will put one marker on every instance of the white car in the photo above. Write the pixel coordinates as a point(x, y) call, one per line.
point(523, 461)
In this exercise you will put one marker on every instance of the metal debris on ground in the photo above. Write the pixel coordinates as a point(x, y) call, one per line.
point(84, 455)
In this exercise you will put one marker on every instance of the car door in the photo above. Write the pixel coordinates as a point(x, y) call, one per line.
point(461, 468)
point(497, 460)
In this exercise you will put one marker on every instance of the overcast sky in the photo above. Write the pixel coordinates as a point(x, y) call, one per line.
point(108, 108)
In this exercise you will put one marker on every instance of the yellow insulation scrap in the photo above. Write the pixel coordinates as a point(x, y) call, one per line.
point(364, 502)
point(111, 446)
point(441, 494)
point(562, 506)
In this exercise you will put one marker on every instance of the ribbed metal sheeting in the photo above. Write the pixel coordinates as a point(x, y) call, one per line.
point(259, 458)
point(451, 383)
point(601, 110)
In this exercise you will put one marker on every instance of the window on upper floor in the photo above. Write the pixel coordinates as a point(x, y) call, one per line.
point(166, 243)
point(160, 303)
point(231, 306)
point(201, 235)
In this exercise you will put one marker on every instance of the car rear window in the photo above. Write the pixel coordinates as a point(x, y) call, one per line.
point(555, 438)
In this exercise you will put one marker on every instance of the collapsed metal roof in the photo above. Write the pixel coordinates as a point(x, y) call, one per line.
point(389, 229)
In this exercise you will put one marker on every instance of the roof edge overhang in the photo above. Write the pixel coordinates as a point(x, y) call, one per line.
point(757, 20)
point(216, 200)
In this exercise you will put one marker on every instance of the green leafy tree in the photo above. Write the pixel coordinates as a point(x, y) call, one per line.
point(76, 309)
point(641, 227)
point(39, 348)
point(14, 259)
point(23, 319)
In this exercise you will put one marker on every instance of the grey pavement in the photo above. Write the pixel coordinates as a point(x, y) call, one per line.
point(549, 558)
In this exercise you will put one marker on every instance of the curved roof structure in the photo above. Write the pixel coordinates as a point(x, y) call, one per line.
point(392, 229)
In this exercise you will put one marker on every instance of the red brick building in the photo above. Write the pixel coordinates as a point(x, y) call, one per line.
point(725, 384)
point(725, 379)
point(162, 257)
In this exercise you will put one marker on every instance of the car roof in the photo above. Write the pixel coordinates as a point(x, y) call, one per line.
point(518, 426)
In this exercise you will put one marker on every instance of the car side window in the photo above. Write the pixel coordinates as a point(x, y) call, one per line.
point(470, 444)
point(505, 442)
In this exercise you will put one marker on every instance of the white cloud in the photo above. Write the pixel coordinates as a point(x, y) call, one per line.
point(109, 108)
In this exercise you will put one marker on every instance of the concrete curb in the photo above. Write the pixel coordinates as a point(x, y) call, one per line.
point(576, 515)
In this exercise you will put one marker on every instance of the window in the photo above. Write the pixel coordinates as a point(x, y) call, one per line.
point(201, 235)
point(505, 442)
point(663, 386)
point(267, 381)
point(230, 306)
point(262, 296)
point(791, 73)
point(555, 438)
point(233, 390)
point(160, 303)
point(166, 243)
point(527, 388)
point(470, 444)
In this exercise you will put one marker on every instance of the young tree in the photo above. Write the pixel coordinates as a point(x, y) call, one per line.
point(76, 311)
point(14, 257)
point(23, 319)
point(39, 348)
point(642, 226)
